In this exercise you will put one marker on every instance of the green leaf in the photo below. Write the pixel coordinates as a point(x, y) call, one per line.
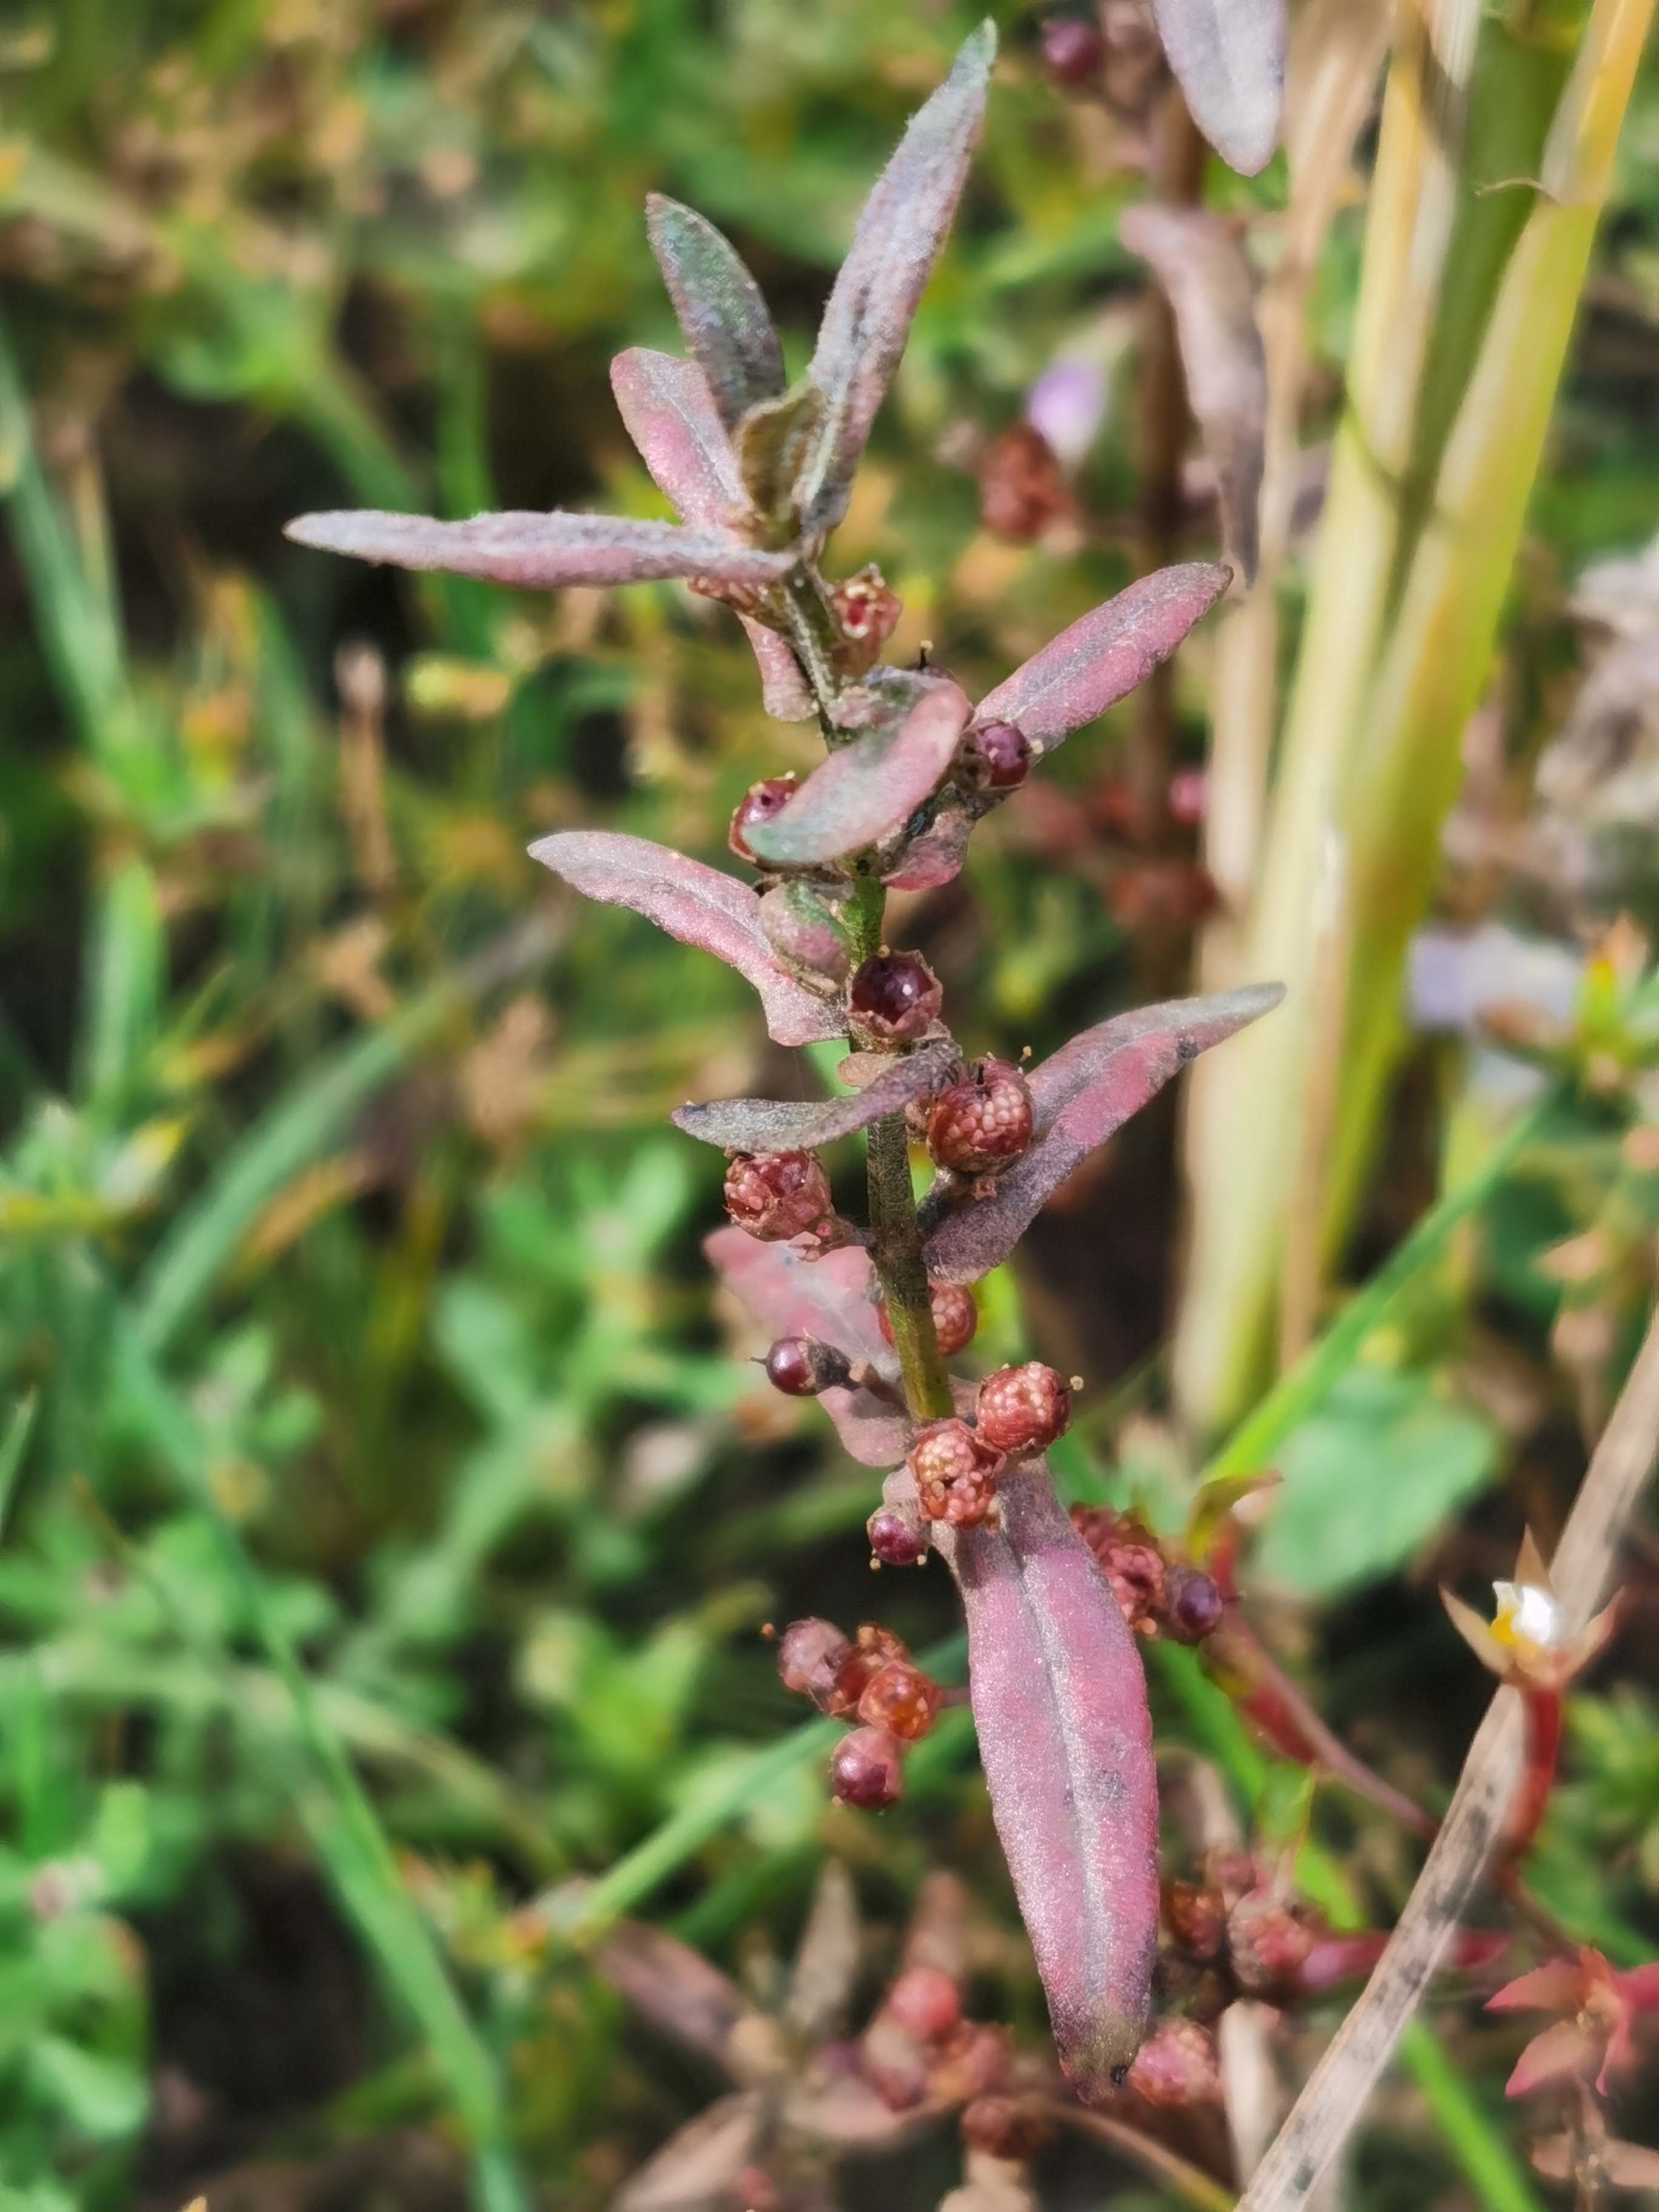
point(103, 2099)
point(1368, 1477)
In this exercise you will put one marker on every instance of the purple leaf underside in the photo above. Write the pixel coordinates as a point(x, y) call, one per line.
point(777, 1124)
point(1228, 57)
point(1200, 265)
point(1103, 655)
point(683, 1997)
point(699, 906)
point(1079, 1096)
point(719, 304)
point(870, 788)
point(541, 552)
point(1064, 1737)
point(665, 406)
point(894, 247)
point(701, 2166)
point(832, 1299)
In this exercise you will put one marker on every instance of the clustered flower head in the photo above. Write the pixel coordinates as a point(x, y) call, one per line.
point(862, 1318)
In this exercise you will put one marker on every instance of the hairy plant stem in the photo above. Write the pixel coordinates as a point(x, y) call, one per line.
point(896, 1251)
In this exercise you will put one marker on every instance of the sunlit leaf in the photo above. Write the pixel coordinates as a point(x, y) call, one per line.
point(540, 552)
point(870, 788)
point(698, 905)
point(776, 1125)
point(1228, 59)
point(719, 307)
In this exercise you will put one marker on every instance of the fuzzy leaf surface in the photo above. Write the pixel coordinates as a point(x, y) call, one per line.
point(699, 906)
point(1200, 265)
point(1228, 57)
point(1105, 653)
point(781, 1125)
point(935, 858)
point(540, 552)
point(832, 1299)
point(870, 788)
point(897, 242)
point(665, 405)
point(1079, 1095)
point(726, 321)
point(1065, 1740)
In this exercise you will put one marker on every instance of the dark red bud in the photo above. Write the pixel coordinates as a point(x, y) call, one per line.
point(1192, 1604)
point(801, 1367)
point(996, 757)
point(1074, 52)
point(895, 1539)
point(1022, 1409)
point(956, 1316)
point(896, 997)
point(777, 1196)
point(902, 1699)
point(925, 2002)
point(810, 1656)
point(867, 1770)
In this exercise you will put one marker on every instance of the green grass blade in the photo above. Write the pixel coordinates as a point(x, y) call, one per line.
point(13, 1446)
point(1498, 2180)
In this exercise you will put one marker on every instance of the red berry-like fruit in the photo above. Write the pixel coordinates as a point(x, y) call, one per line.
point(1073, 51)
point(1268, 1940)
point(777, 1196)
point(996, 757)
point(1022, 1409)
point(956, 1316)
point(810, 1656)
point(925, 2002)
point(874, 1649)
point(759, 804)
point(981, 1123)
point(902, 1699)
point(1013, 2128)
point(956, 1473)
point(867, 1769)
point(1192, 1604)
point(1131, 1561)
point(896, 997)
point(866, 607)
point(895, 1539)
point(1177, 2064)
point(1195, 1913)
point(801, 1367)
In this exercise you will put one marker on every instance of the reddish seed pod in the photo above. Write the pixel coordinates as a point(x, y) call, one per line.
point(1196, 1914)
point(902, 1699)
point(1021, 490)
point(867, 1769)
point(925, 2002)
point(981, 1123)
point(1129, 1557)
point(801, 1367)
point(1074, 52)
point(866, 607)
point(956, 1316)
point(896, 997)
point(1268, 1941)
point(759, 804)
point(1192, 1604)
point(996, 757)
point(1024, 1409)
point(895, 1539)
point(874, 1649)
point(956, 1473)
point(1011, 2128)
point(777, 1196)
point(1177, 2064)
point(810, 1656)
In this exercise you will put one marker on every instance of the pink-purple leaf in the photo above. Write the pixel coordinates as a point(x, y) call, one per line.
point(1079, 1096)
point(870, 788)
point(698, 905)
point(684, 1997)
point(897, 242)
point(1228, 57)
point(1066, 1740)
point(719, 307)
point(665, 402)
point(780, 1125)
point(541, 552)
point(934, 857)
point(665, 406)
point(1104, 654)
point(1201, 264)
point(832, 1299)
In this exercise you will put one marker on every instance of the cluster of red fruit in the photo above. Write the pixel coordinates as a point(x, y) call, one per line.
point(870, 1678)
point(956, 1464)
point(1160, 1594)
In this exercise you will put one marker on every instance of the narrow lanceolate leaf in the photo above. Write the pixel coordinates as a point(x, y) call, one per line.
point(935, 857)
point(719, 307)
point(895, 247)
point(1065, 1740)
point(1103, 655)
point(665, 402)
point(781, 1125)
point(698, 905)
point(1200, 265)
point(1228, 59)
point(684, 1997)
point(832, 1299)
point(541, 552)
point(666, 408)
point(869, 789)
point(1079, 1096)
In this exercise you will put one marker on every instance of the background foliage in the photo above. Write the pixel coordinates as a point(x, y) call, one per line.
point(388, 1521)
